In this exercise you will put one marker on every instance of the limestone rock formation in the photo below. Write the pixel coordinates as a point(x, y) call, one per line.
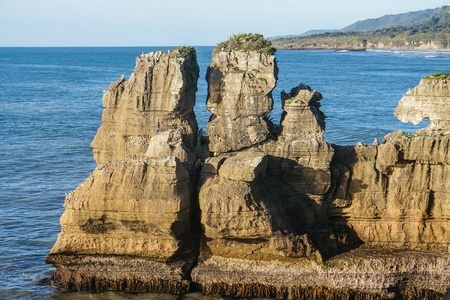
point(305, 154)
point(144, 217)
point(431, 100)
point(269, 202)
point(159, 95)
point(300, 158)
point(268, 211)
point(315, 201)
point(397, 195)
point(261, 197)
point(134, 216)
point(243, 213)
point(240, 85)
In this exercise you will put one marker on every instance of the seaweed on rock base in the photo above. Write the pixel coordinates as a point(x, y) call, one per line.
point(96, 284)
point(257, 290)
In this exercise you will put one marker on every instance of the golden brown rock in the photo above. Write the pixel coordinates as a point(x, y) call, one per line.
point(280, 211)
point(138, 204)
point(159, 95)
point(398, 193)
point(240, 85)
point(146, 217)
point(431, 100)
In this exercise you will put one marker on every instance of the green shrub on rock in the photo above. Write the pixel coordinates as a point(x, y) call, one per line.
point(247, 42)
point(440, 76)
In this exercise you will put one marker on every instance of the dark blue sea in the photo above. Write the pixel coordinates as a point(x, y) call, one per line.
point(50, 109)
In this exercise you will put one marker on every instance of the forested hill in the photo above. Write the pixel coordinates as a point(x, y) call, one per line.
point(404, 19)
point(431, 34)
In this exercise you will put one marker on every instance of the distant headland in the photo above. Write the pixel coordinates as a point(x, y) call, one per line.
point(420, 30)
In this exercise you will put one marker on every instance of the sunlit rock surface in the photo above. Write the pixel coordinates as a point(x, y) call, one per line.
point(134, 217)
point(431, 100)
point(255, 209)
point(159, 95)
point(240, 85)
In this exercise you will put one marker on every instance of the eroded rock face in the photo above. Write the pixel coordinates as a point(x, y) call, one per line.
point(396, 195)
point(159, 95)
point(137, 208)
point(431, 100)
point(243, 213)
point(313, 202)
point(305, 152)
point(146, 217)
point(278, 208)
point(269, 201)
point(240, 88)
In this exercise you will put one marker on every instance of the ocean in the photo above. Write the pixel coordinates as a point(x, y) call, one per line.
point(50, 109)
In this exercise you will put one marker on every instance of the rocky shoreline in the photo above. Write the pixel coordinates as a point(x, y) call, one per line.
point(253, 208)
point(314, 44)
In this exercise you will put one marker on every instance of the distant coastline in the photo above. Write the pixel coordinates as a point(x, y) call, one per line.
point(359, 44)
point(432, 33)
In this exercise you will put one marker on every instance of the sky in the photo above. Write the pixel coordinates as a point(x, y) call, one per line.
point(50, 23)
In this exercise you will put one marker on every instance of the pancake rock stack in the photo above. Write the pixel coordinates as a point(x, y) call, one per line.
point(129, 226)
point(242, 216)
point(240, 85)
point(255, 209)
point(431, 100)
point(159, 95)
point(398, 196)
point(303, 156)
point(262, 198)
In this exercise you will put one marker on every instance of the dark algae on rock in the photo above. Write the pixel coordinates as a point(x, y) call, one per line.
point(255, 209)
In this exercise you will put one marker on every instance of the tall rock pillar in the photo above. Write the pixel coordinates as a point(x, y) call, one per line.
point(240, 79)
point(129, 226)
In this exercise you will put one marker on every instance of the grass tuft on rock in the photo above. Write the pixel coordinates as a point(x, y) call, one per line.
point(184, 51)
point(247, 42)
point(439, 76)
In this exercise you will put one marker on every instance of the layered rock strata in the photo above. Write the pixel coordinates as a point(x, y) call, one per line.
point(159, 95)
point(431, 100)
point(301, 157)
point(391, 198)
point(240, 85)
point(247, 194)
point(271, 211)
point(131, 224)
point(396, 195)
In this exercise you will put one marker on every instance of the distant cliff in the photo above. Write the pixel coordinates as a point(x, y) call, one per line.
point(432, 33)
point(253, 208)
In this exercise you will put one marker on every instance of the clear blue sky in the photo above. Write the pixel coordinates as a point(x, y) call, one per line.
point(178, 22)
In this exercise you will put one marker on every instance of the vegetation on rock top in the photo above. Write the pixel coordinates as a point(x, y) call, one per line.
point(440, 76)
point(247, 42)
point(185, 50)
point(294, 92)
